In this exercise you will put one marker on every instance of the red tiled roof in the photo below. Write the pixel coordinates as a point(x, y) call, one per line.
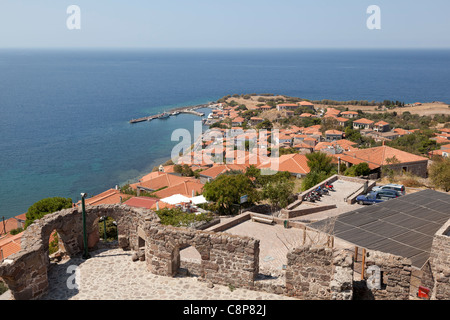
point(141, 202)
point(238, 119)
point(333, 110)
point(322, 145)
point(12, 223)
point(151, 175)
point(352, 160)
point(185, 188)
point(216, 170)
point(293, 163)
point(161, 181)
point(378, 155)
point(111, 196)
point(335, 132)
point(345, 144)
point(401, 131)
point(363, 121)
point(10, 245)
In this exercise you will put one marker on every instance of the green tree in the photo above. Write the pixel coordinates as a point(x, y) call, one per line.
point(278, 192)
point(417, 143)
point(439, 173)
point(361, 169)
point(46, 206)
point(225, 191)
point(320, 161)
point(321, 167)
point(266, 124)
point(352, 135)
point(313, 178)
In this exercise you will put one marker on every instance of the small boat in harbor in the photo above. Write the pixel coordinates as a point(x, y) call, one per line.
point(163, 115)
point(175, 113)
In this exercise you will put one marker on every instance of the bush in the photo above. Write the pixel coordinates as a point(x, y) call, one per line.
point(439, 173)
point(16, 231)
point(3, 287)
point(361, 169)
point(46, 206)
point(313, 178)
point(111, 229)
point(411, 182)
point(178, 218)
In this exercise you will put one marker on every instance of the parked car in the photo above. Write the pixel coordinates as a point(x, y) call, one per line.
point(377, 196)
point(391, 186)
point(389, 193)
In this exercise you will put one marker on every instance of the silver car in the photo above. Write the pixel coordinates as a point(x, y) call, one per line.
point(392, 186)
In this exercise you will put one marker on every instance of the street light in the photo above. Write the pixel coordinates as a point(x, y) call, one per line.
point(85, 242)
point(103, 219)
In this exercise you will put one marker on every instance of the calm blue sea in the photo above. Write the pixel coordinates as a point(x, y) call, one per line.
point(64, 114)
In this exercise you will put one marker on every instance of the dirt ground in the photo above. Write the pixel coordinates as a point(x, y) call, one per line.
point(427, 108)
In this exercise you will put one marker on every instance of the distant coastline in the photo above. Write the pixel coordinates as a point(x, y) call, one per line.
point(208, 105)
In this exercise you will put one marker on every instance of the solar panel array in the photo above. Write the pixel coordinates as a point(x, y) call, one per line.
point(404, 226)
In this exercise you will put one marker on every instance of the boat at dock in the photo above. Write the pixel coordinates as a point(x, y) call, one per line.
point(163, 115)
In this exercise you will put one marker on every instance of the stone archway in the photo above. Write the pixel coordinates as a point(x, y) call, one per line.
point(25, 272)
point(164, 244)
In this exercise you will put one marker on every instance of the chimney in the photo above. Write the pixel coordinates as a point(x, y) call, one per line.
point(157, 205)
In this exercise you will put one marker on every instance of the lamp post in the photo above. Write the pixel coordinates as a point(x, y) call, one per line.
point(85, 242)
point(117, 229)
point(104, 228)
point(339, 165)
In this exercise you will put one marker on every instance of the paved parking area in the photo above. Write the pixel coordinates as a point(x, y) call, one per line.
point(343, 189)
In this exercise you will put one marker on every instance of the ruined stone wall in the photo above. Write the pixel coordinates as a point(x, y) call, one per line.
point(393, 279)
point(225, 259)
point(440, 263)
point(319, 273)
point(311, 272)
point(25, 272)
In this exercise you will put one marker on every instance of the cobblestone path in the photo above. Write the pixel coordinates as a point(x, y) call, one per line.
point(110, 274)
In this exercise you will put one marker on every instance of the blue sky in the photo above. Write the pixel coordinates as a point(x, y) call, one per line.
point(225, 24)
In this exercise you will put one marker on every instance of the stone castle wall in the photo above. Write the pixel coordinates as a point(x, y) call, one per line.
point(386, 277)
point(25, 272)
point(440, 263)
point(319, 273)
point(225, 259)
point(311, 272)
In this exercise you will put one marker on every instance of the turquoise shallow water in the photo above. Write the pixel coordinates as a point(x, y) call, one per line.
point(64, 114)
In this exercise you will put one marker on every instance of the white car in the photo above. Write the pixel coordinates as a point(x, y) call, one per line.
point(391, 186)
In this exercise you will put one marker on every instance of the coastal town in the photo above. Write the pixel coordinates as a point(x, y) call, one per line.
point(293, 174)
